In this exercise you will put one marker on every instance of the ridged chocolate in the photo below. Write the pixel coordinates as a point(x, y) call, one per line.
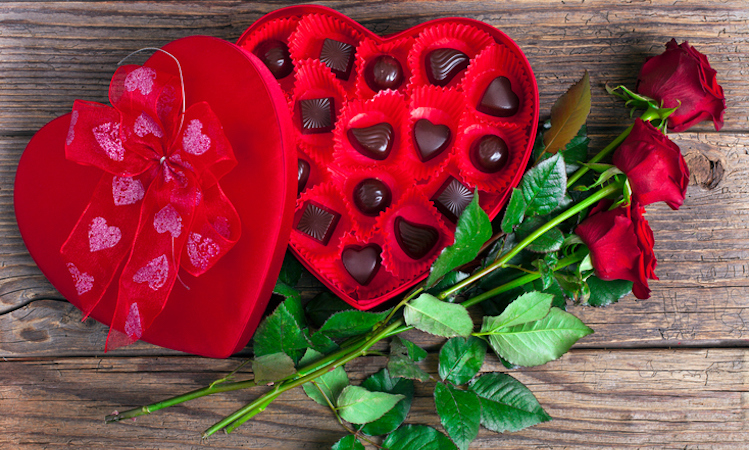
point(415, 240)
point(489, 153)
point(452, 199)
point(443, 64)
point(317, 115)
point(498, 99)
point(318, 222)
point(338, 56)
point(372, 196)
point(362, 263)
point(430, 139)
point(302, 175)
point(383, 72)
point(373, 142)
point(275, 55)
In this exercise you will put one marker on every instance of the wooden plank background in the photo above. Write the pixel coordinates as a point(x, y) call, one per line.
point(668, 372)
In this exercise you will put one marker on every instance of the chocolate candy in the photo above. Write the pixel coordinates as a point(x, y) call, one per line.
point(443, 64)
point(452, 198)
point(499, 100)
point(302, 175)
point(374, 142)
point(362, 263)
point(430, 139)
point(317, 115)
point(318, 222)
point(415, 240)
point(489, 153)
point(383, 72)
point(372, 196)
point(275, 55)
point(338, 56)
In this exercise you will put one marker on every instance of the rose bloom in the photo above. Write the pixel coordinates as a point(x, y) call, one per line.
point(621, 245)
point(682, 74)
point(654, 165)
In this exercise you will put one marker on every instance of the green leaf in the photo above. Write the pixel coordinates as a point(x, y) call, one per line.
point(506, 404)
point(528, 307)
point(603, 293)
point(291, 270)
point(452, 278)
point(322, 343)
point(543, 186)
point(351, 323)
point(515, 212)
point(273, 367)
point(568, 114)
point(473, 229)
point(417, 437)
point(328, 385)
point(429, 314)
point(576, 152)
point(391, 420)
point(460, 413)
point(286, 291)
point(349, 442)
point(538, 342)
point(282, 331)
point(461, 359)
point(550, 241)
point(403, 358)
point(324, 305)
point(358, 405)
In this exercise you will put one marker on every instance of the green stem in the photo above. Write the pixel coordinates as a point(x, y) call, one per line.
point(603, 193)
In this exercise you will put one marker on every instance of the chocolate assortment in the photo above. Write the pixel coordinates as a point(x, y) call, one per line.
point(394, 137)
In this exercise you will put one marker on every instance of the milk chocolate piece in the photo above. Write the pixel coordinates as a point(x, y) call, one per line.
point(489, 153)
point(318, 222)
point(302, 175)
point(383, 72)
point(443, 64)
point(374, 142)
point(275, 55)
point(415, 240)
point(499, 100)
point(372, 196)
point(430, 139)
point(452, 199)
point(338, 56)
point(317, 115)
point(362, 263)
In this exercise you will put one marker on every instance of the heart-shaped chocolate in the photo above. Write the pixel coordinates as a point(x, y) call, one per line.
point(391, 162)
point(499, 99)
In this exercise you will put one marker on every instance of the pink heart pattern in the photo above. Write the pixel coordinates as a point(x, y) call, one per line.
point(127, 191)
point(102, 236)
point(168, 220)
point(107, 135)
point(145, 125)
point(201, 250)
point(155, 273)
point(84, 282)
point(194, 141)
point(141, 79)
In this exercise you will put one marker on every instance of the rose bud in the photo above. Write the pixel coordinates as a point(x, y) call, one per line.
point(682, 74)
point(654, 165)
point(621, 245)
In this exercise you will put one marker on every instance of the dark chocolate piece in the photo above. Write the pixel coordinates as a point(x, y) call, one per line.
point(383, 72)
point(452, 199)
point(499, 100)
point(362, 263)
point(338, 56)
point(372, 196)
point(317, 115)
point(430, 139)
point(443, 64)
point(374, 142)
point(275, 55)
point(489, 153)
point(318, 222)
point(302, 175)
point(415, 240)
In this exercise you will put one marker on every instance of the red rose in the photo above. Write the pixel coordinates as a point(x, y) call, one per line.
point(621, 245)
point(682, 74)
point(654, 165)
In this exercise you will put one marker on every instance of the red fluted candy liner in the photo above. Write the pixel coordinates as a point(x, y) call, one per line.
point(279, 30)
point(367, 53)
point(318, 170)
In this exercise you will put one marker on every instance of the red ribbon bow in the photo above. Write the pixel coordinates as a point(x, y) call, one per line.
point(158, 206)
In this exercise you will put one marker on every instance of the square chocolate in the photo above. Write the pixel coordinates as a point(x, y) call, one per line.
point(317, 115)
point(338, 56)
point(318, 222)
point(452, 198)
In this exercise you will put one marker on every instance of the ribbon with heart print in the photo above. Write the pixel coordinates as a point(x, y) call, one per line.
point(157, 207)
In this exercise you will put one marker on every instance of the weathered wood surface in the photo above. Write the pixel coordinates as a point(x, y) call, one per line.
point(58, 385)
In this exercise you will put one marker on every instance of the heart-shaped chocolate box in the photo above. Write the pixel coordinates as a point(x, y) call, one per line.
point(393, 135)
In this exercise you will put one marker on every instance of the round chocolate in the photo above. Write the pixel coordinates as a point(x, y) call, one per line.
point(489, 153)
point(302, 175)
point(372, 196)
point(383, 72)
point(275, 55)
